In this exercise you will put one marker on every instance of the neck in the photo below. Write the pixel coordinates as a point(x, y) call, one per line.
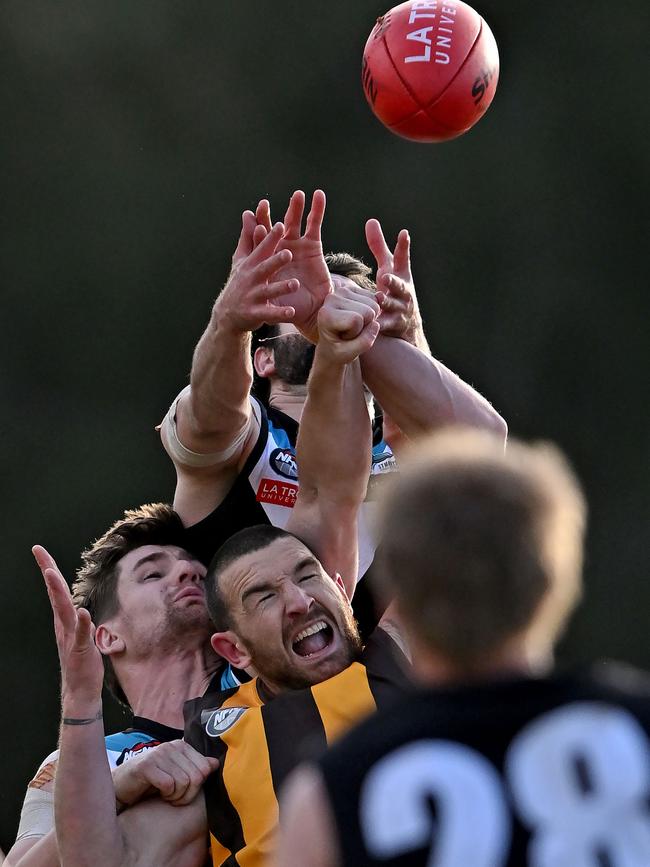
point(157, 687)
point(516, 659)
point(289, 399)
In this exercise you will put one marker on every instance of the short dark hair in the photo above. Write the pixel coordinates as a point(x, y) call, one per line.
point(246, 541)
point(95, 585)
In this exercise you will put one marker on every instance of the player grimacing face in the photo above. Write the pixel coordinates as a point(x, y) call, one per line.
point(293, 620)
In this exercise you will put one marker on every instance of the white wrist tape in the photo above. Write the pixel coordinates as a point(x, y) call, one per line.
point(37, 814)
point(182, 455)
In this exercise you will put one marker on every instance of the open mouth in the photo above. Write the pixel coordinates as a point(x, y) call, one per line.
point(313, 640)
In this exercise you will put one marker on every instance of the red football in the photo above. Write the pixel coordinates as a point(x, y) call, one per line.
point(430, 69)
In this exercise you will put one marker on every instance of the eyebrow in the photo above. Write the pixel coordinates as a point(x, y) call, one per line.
point(268, 585)
point(149, 558)
point(306, 561)
point(258, 588)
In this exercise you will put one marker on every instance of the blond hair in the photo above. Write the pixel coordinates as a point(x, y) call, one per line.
point(481, 544)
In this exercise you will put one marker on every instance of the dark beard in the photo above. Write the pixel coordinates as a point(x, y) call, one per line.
point(283, 674)
point(293, 355)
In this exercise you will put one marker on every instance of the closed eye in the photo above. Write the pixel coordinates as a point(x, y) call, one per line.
point(307, 578)
point(152, 575)
point(265, 598)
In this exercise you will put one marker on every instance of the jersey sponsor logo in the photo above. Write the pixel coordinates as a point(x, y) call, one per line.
point(219, 721)
point(383, 460)
point(136, 750)
point(283, 462)
point(277, 493)
point(44, 776)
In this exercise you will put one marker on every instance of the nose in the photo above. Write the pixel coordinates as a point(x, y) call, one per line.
point(297, 602)
point(188, 571)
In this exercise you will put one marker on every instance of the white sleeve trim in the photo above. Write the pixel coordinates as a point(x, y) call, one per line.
point(182, 455)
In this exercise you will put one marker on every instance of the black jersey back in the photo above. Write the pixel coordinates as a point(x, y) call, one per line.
point(529, 773)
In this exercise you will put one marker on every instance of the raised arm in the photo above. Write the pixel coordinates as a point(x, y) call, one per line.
point(418, 392)
point(87, 827)
point(421, 394)
point(211, 427)
point(335, 439)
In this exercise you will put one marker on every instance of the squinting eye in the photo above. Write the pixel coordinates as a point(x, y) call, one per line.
point(265, 598)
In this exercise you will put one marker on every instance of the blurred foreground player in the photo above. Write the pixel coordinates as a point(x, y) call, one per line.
point(495, 762)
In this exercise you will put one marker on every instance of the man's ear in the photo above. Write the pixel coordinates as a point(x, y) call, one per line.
point(340, 583)
point(108, 641)
point(264, 362)
point(228, 645)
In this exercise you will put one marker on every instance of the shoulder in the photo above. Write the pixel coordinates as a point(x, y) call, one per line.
point(383, 657)
point(214, 713)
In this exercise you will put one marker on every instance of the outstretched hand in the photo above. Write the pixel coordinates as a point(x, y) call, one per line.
point(400, 314)
point(307, 264)
point(82, 669)
point(347, 322)
point(253, 294)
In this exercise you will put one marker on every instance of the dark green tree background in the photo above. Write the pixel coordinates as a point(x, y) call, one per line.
point(134, 134)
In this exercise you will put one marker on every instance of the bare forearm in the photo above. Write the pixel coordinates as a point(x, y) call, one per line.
point(84, 797)
point(420, 393)
point(34, 852)
point(333, 452)
point(335, 443)
point(217, 407)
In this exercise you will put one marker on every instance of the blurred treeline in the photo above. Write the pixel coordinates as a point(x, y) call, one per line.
point(134, 133)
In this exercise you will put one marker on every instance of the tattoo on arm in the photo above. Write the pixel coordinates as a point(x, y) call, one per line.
point(74, 721)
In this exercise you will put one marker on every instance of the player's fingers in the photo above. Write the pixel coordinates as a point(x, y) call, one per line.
point(160, 779)
point(267, 247)
point(259, 234)
point(205, 764)
point(273, 314)
point(365, 305)
point(268, 266)
point(367, 337)
point(59, 594)
point(282, 287)
point(293, 216)
point(315, 216)
point(83, 634)
point(339, 324)
point(352, 291)
point(245, 243)
point(402, 255)
point(186, 768)
point(377, 244)
point(43, 557)
point(263, 214)
point(396, 287)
